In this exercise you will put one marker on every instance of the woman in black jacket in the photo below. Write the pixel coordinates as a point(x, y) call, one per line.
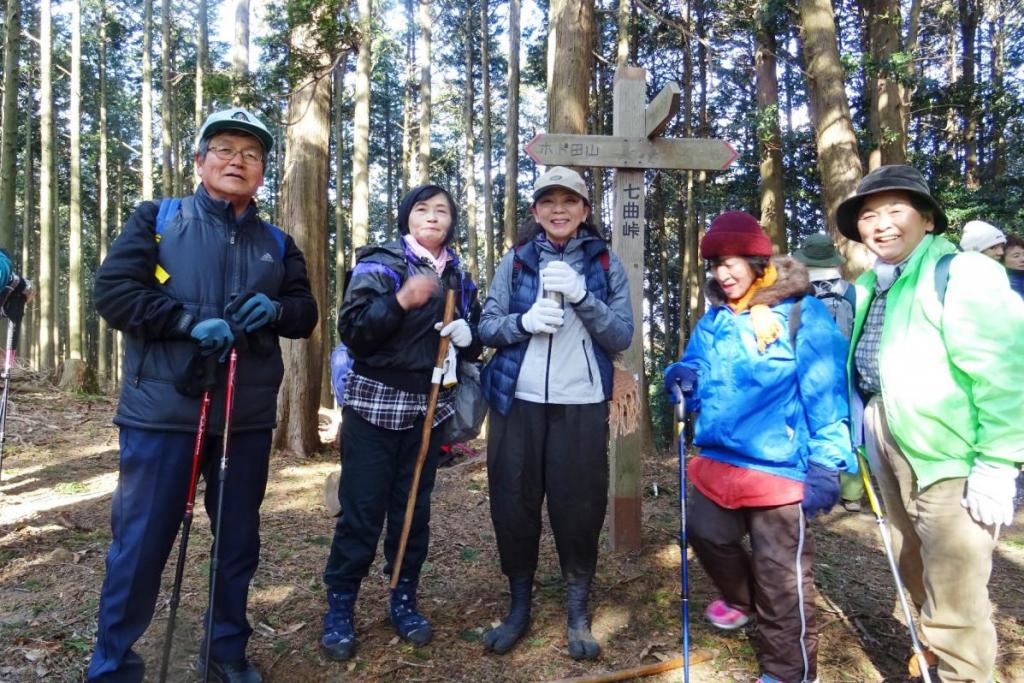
point(389, 321)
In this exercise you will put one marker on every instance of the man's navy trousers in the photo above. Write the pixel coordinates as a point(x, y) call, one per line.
point(146, 513)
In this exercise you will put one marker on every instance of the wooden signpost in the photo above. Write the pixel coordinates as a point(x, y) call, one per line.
point(633, 147)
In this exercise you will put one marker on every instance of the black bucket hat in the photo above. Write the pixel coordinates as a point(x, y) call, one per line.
point(882, 179)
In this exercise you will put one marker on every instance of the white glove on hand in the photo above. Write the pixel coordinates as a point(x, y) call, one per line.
point(545, 317)
point(559, 276)
point(458, 331)
point(990, 491)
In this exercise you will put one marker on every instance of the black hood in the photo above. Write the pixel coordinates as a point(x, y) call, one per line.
point(419, 194)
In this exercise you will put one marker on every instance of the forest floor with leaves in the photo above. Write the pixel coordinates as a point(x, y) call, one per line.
point(60, 467)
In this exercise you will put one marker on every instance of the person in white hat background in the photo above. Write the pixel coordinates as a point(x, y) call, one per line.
point(189, 278)
point(557, 311)
point(983, 237)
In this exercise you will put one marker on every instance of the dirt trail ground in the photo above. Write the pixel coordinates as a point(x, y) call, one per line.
point(60, 468)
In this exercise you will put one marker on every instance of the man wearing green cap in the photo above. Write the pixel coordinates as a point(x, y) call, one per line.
point(186, 279)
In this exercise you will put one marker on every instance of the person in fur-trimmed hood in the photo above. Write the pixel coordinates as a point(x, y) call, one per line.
point(765, 370)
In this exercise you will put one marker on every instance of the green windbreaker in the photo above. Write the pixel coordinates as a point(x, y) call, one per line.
point(952, 372)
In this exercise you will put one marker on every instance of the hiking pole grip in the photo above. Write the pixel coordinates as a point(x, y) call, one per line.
point(428, 426)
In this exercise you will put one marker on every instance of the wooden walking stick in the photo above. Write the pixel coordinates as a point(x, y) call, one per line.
point(428, 426)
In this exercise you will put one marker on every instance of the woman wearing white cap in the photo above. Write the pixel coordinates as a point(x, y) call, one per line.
point(557, 311)
point(983, 237)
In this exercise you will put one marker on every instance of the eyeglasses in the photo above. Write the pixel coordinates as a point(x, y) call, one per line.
point(249, 156)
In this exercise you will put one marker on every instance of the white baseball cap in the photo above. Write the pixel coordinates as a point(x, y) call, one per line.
point(565, 178)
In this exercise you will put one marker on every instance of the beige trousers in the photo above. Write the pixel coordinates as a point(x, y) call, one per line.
point(944, 556)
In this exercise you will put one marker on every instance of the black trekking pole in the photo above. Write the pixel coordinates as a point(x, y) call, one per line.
point(14, 297)
point(215, 558)
point(186, 527)
point(684, 574)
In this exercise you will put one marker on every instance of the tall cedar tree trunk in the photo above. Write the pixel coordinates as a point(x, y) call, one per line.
point(76, 308)
point(340, 215)
point(240, 54)
point(769, 136)
point(470, 154)
point(836, 144)
point(423, 54)
point(970, 11)
point(202, 66)
point(408, 137)
point(910, 75)
point(686, 224)
point(30, 244)
point(485, 132)
point(622, 51)
point(512, 127)
point(570, 62)
point(997, 29)
point(304, 211)
point(166, 102)
point(103, 198)
point(887, 121)
point(47, 280)
point(8, 147)
point(952, 128)
point(147, 99)
point(361, 133)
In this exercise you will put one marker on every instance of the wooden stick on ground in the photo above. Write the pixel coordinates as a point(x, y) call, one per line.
point(639, 671)
point(428, 425)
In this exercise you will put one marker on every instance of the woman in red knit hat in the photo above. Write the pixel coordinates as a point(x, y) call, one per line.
point(765, 371)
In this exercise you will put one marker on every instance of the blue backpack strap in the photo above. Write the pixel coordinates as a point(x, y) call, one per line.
point(942, 275)
point(278, 234)
point(851, 295)
point(169, 207)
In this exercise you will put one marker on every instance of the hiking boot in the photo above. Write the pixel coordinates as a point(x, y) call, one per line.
point(768, 678)
point(410, 624)
point(722, 616)
point(500, 639)
point(231, 672)
point(582, 644)
point(339, 639)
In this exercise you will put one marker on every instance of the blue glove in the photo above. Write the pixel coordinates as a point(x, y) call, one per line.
point(256, 312)
point(681, 375)
point(214, 336)
point(821, 489)
point(5, 268)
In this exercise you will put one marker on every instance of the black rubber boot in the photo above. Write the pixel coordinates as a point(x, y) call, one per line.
point(581, 641)
point(500, 639)
point(339, 637)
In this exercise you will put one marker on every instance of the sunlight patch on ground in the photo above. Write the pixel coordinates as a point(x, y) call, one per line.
point(610, 620)
point(274, 594)
point(59, 496)
point(298, 488)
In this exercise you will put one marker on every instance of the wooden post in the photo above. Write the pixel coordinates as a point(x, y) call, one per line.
point(629, 97)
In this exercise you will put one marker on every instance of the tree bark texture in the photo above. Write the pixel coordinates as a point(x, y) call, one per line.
point(76, 307)
point(240, 53)
point(570, 62)
point(512, 127)
point(304, 215)
point(469, 160)
point(769, 136)
point(970, 11)
point(47, 280)
point(147, 99)
point(102, 196)
point(361, 133)
point(887, 120)
point(423, 54)
point(485, 133)
point(9, 144)
point(166, 102)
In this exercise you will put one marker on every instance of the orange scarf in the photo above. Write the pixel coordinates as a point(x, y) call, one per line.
point(767, 327)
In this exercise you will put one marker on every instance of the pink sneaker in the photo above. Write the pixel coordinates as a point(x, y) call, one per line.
point(727, 618)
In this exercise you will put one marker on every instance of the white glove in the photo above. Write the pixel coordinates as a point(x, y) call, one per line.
point(559, 276)
point(545, 317)
point(459, 332)
point(450, 377)
point(990, 491)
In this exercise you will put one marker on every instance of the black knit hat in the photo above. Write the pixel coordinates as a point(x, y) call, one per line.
point(422, 194)
point(883, 179)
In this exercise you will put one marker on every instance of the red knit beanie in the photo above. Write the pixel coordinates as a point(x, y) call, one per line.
point(735, 233)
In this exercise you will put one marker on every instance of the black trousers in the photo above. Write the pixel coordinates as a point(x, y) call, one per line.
point(764, 581)
point(376, 474)
point(558, 451)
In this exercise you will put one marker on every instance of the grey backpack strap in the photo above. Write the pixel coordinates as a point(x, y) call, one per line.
point(794, 323)
point(942, 275)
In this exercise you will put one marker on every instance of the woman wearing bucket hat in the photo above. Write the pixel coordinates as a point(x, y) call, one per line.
point(765, 371)
point(822, 259)
point(557, 312)
point(938, 366)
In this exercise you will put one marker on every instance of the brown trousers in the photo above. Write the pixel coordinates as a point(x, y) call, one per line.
point(764, 581)
point(944, 556)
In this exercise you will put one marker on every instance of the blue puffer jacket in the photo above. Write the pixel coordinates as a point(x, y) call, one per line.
point(209, 258)
point(777, 411)
point(605, 313)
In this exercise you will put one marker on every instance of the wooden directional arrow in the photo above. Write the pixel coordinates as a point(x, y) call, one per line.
point(696, 154)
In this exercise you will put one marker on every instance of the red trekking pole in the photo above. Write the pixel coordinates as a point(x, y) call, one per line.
point(215, 558)
point(186, 527)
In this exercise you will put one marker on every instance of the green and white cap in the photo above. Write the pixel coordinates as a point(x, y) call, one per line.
point(238, 119)
point(565, 178)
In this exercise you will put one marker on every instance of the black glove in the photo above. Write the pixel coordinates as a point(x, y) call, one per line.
point(821, 489)
point(199, 375)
